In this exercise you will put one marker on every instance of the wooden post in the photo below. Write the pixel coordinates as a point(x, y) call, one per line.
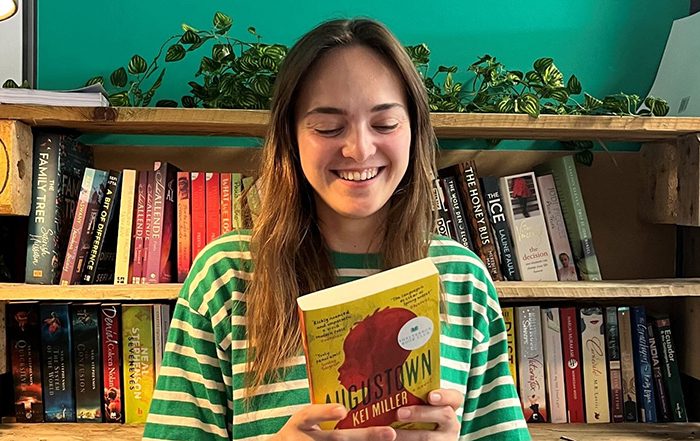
point(15, 168)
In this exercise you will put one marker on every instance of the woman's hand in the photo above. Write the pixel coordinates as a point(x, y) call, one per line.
point(303, 426)
point(441, 408)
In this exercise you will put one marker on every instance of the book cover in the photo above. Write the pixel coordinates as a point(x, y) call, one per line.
point(139, 228)
point(110, 336)
point(456, 212)
point(139, 375)
point(24, 342)
point(95, 199)
point(642, 366)
point(612, 346)
point(478, 221)
point(663, 403)
point(554, 365)
point(57, 363)
point(572, 363)
point(161, 253)
point(226, 213)
point(99, 264)
point(509, 319)
point(184, 226)
point(122, 258)
point(670, 370)
point(59, 163)
point(79, 224)
point(373, 344)
point(566, 268)
point(573, 208)
point(443, 220)
point(236, 202)
point(252, 199)
point(213, 205)
point(199, 213)
point(531, 364)
point(526, 221)
point(595, 378)
point(87, 354)
point(501, 231)
point(148, 223)
point(629, 383)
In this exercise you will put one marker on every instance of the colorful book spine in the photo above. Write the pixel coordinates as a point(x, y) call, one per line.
point(99, 264)
point(68, 274)
point(236, 200)
point(642, 366)
point(139, 376)
point(59, 163)
point(509, 319)
point(24, 341)
point(148, 223)
point(629, 383)
point(213, 206)
point(157, 339)
point(110, 321)
point(663, 404)
point(122, 259)
point(97, 195)
point(226, 220)
point(572, 363)
point(199, 213)
point(457, 213)
point(531, 364)
point(595, 386)
point(184, 226)
point(87, 354)
point(554, 365)
point(670, 370)
point(499, 224)
point(57, 363)
point(160, 251)
point(139, 228)
point(526, 221)
point(252, 195)
point(478, 221)
point(612, 346)
point(443, 221)
point(566, 180)
point(563, 260)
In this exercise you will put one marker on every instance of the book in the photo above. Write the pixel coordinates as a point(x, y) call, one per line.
point(499, 225)
point(509, 320)
point(566, 268)
point(629, 384)
point(443, 220)
point(554, 365)
point(373, 344)
point(670, 369)
point(213, 205)
point(161, 253)
point(663, 403)
point(572, 362)
point(531, 364)
point(99, 264)
point(59, 164)
point(24, 343)
point(87, 354)
point(198, 212)
point(110, 336)
point(93, 95)
point(612, 346)
point(226, 208)
point(563, 169)
point(595, 377)
point(137, 358)
point(184, 226)
point(148, 223)
point(57, 362)
point(642, 366)
point(457, 213)
point(122, 259)
point(236, 202)
point(137, 245)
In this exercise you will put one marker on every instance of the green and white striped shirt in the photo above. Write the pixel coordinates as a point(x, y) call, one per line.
point(200, 390)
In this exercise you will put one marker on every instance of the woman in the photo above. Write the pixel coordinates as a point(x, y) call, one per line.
point(346, 189)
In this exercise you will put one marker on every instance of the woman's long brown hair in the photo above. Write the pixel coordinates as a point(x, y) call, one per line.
point(288, 249)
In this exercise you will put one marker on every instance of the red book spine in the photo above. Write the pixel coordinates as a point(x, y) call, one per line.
point(110, 317)
point(226, 219)
point(213, 206)
point(150, 193)
point(572, 365)
point(184, 226)
point(158, 269)
point(199, 214)
point(167, 256)
point(139, 228)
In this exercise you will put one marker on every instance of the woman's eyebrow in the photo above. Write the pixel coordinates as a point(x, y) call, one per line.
point(337, 111)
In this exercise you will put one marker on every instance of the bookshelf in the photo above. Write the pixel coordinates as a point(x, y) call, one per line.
point(638, 258)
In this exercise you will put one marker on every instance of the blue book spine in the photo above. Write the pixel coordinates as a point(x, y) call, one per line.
point(57, 366)
point(642, 366)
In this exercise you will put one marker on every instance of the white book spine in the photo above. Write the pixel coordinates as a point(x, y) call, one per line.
point(126, 218)
point(554, 365)
point(595, 370)
point(157, 337)
point(563, 260)
point(531, 377)
point(528, 227)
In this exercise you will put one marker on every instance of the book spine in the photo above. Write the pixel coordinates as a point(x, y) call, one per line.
point(148, 224)
point(575, 217)
point(629, 383)
point(168, 252)
point(475, 209)
point(531, 364)
point(642, 366)
point(509, 319)
point(566, 268)
point(137, 337)
point(526, 222)
point(81, 211)
point(572, 361)
point(110, 320)
point(156, 236)
point(236, 202)
point(595, 376)
point(24, 341)
point(612, 346)
point(127, 192)
point(157, 338)
point(57, 364)
point(104, 215)
point(97, 195)
point(87, 356)
point(456, 212)
point(199, 213)
point(670, 370)
point(501, 231)
point(554, 364)
point(213, 206)
point(663, 404)
point(184, 226)
point(139, 227)
point(226, 221)
point(443, 222)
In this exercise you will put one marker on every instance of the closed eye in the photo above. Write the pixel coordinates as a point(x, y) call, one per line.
point(386, 128)
point(329, 132)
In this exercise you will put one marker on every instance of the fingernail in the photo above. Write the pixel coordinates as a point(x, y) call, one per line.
point(403, 413)
point(435, 397)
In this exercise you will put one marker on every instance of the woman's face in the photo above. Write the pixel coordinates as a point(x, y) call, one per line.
point(353, 132)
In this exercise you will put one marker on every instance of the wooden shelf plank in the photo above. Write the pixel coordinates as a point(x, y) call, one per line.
point(71, 432)
point(227, 122)
point(506, 290)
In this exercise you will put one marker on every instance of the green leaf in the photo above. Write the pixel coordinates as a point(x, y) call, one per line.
point(137, 65)
point(120, 99)
point(506, 105)
point(10, 84)
point(449, 69)
point(198, 44)
point(657, 106)
point(261, 85)
point(573, 85)
point(552, 76)
point(222, 23)
point(251, 30)
point(208, 65)
point(541, 64)
point(420, 54)
point(175, 52)
point(591, 102)
point(187, 28)
point(94, 80)
point(560, 94)
point(533, 77)
point(118, 78)
point(220, 51)
point(188, 101)
point(190, 37)
point(529, 104)
point(166, 103)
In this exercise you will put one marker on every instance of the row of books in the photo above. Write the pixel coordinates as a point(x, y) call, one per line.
point(85, 362)
point(594, 365)
point(530, 226)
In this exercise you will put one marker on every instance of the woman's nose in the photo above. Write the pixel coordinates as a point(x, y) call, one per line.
point(359, 145)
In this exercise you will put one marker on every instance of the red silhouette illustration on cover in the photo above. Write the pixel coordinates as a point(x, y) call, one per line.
point(376, 334)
